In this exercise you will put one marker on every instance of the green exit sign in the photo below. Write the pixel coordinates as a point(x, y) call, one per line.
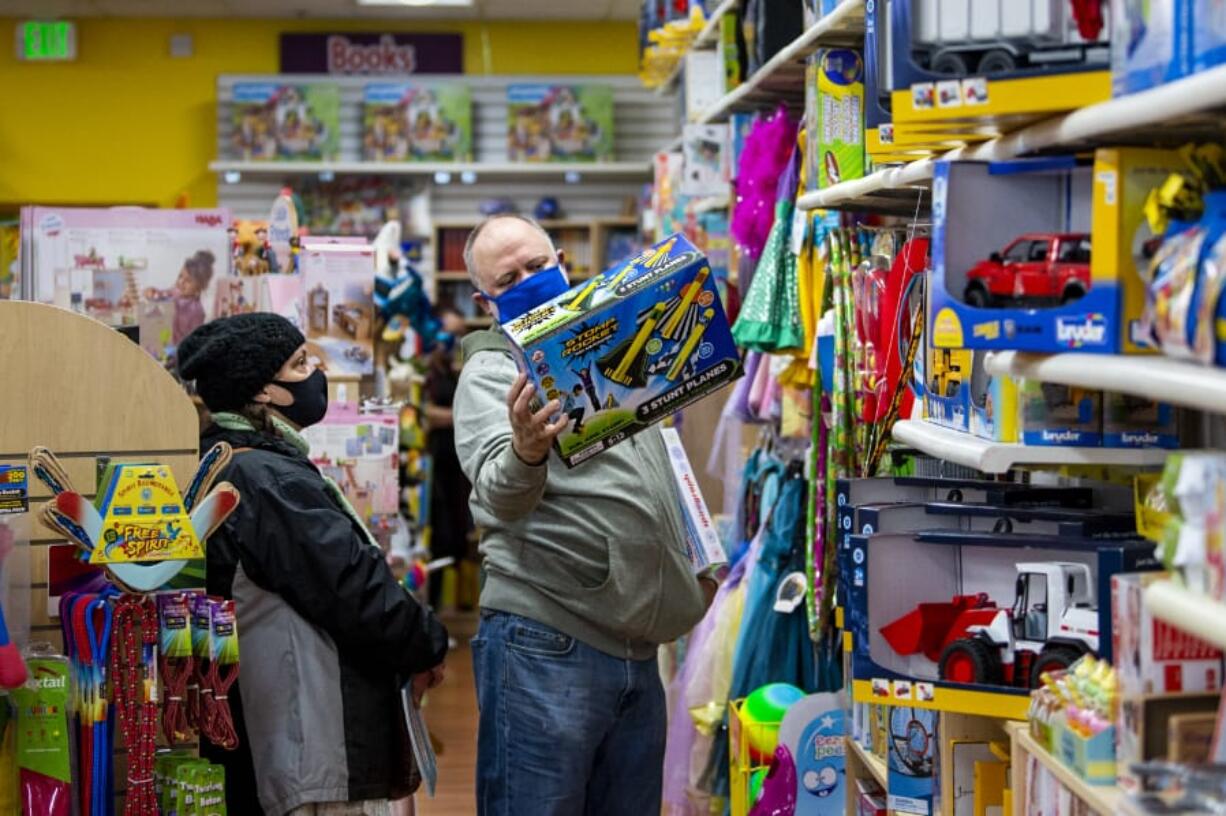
point(43, 41)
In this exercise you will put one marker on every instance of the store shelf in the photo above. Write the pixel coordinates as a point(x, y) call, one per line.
point(710, 32)
point(891, 189)
point(1189, 611)
point(706, 38)
point(992, 457)
point(781, 79)
point(1106, 800)
point(484, 170)
point(1155, 377)
point(1171, 114)
point(876, 766)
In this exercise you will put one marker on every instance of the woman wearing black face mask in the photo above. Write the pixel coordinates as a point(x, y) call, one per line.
point(326, 635)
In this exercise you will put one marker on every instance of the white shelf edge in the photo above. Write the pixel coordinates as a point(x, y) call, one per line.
point(638, 169)
point(1189, 611)
point(992, 457)
point(669, 85)
point(1102, 799)
point(706, 38)
point(708, 35)
point(803, 45)
point(1200, 92)
point(1156, 377)
point(887, 178)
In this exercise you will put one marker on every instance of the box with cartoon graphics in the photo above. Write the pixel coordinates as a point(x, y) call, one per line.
point(629, 347)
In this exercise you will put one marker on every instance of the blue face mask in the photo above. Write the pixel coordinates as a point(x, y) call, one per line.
point(529, 293)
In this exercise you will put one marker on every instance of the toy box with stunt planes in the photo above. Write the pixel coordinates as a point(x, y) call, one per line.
point(629, 347)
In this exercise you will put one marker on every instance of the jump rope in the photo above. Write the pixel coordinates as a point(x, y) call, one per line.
point(118, 642)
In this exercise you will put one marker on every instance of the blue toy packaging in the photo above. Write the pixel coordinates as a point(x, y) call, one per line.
point(993, 403)
point(1208, 34)
point(1055, 415)
point(946, 399)
point(629, 347)
point(912, 760)
point(1149, 44)
point(1136, 422)
point(1013, 265)
point(1164, 40)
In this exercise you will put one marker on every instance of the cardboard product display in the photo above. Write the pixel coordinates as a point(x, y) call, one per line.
point(912, 760)
point(338, 292)
point(704, 81)
point(1153, 657)
point(629, 347)
point(907, 504)
point(1011, 265)
point(360, 452)
point(1162, 41)
point(1146, 726)
point(958, 70)
point(947, 392)
point(837, 123)
point(706, 150)
point(900, 617)
point(1136, 422)
point(154, 270)
point(1060, 415)
point(992, 403)
point(702, 539)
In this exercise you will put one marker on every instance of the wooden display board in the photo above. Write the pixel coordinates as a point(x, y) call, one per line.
point(84, 391)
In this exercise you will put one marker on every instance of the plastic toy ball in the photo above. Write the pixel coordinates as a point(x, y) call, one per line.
point(415, 578)
point(755, 784)
point(761, 714)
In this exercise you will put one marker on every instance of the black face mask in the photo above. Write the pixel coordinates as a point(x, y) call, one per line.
point(310, 399)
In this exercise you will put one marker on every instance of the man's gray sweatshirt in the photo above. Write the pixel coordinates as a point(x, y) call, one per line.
point(595, 551)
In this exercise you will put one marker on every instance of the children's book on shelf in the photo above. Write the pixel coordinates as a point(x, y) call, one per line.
point(407, 122)
point(298, 122)
point(157, 271)
point(559, 123)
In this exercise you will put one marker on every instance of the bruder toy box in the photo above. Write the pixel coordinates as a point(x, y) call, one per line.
point(629, 347)
point(1043, 255)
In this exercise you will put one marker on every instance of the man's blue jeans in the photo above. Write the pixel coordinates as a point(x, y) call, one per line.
point(565, 729)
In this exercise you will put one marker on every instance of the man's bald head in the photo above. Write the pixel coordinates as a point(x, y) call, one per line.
point(502, 251)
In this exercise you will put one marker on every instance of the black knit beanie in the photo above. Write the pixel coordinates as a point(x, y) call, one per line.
point(232, 358)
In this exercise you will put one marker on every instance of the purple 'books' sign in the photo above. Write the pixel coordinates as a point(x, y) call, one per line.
point(372, 54)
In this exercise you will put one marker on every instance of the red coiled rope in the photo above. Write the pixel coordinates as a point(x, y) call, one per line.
point(134, 678)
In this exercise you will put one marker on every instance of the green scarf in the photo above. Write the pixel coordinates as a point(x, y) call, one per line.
point(238, 422)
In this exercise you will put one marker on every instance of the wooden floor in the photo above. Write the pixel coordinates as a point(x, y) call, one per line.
point(451, 714)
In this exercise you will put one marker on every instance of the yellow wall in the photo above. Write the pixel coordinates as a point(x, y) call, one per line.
point(126, 123)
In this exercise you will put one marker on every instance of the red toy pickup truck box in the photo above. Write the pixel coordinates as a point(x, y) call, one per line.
point(1036, 269)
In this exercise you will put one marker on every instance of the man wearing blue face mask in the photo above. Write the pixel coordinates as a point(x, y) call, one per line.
point(585, 572)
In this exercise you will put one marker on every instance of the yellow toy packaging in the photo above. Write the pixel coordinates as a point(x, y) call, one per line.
point(1123, 179)
point(946, 391)
point(629, 347)
point(143, 518)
